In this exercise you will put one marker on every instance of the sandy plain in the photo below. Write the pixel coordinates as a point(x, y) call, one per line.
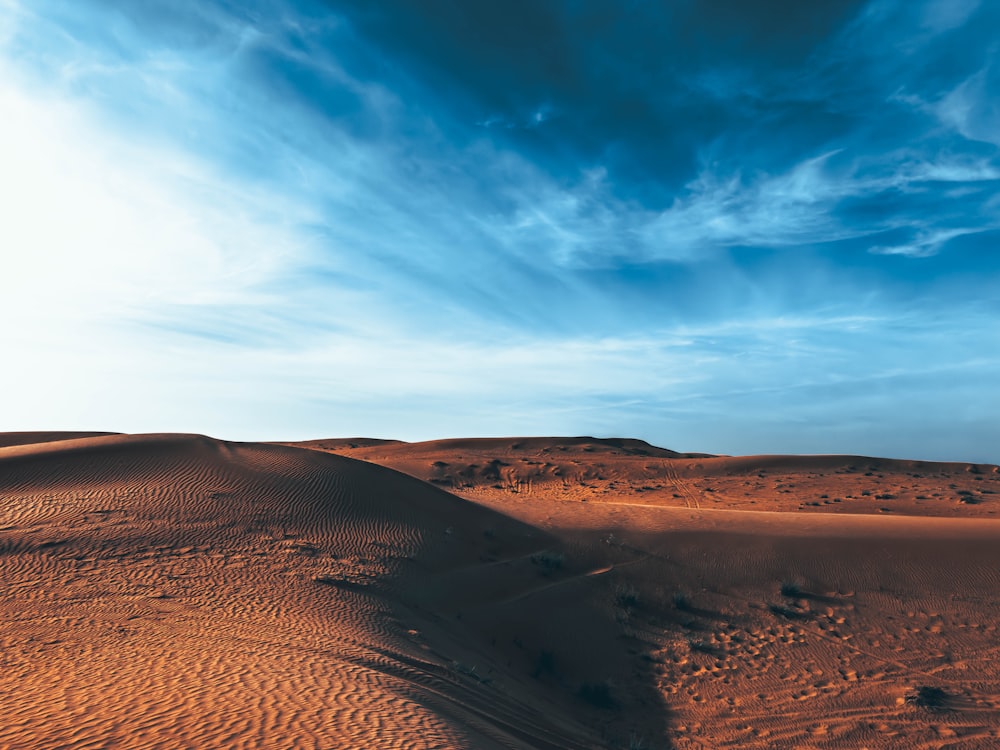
point(175, 591)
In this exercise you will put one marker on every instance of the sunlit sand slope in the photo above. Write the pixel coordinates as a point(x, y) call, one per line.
point(179, 592)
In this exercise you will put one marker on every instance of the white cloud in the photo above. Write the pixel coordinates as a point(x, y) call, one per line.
point(924, 244)
point(764, 210)
point(945, 169)
point(971, 108)
point(96, 224)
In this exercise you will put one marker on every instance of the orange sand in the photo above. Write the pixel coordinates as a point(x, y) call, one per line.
point(174, 591)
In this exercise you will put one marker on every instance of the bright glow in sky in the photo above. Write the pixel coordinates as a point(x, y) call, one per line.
point(713, 226)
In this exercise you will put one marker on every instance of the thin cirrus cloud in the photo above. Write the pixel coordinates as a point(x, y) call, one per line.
point(713, 227)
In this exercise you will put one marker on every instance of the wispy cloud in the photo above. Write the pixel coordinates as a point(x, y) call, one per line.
point(971, 108)
point(924, 244)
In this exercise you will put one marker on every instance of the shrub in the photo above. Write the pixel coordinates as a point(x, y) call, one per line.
point(929, 697)
point(626, 595)
point(791, 589)
point(787, 612)
point(548, 560)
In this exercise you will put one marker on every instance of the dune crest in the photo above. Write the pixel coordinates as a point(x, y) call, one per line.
point(33, 438)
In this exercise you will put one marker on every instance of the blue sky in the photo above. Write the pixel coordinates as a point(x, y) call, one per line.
point(717, 225)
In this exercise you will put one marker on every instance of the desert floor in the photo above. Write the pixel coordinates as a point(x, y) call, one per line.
point(175, 591)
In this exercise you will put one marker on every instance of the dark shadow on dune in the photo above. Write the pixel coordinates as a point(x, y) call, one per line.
point(555, 650)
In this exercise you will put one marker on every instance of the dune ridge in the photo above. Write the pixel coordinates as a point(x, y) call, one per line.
point(28, 438)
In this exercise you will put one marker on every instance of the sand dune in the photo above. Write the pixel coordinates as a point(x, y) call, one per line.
point(30, 438)
point(504, 470)
point(174, 591)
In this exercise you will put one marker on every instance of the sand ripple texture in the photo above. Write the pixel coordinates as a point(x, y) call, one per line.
point(174, 591)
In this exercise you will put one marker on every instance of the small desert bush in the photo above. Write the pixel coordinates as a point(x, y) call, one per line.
point(929, 697)
point(626, 595)
point(791, 589)
point(548, 560)
point(787, 612)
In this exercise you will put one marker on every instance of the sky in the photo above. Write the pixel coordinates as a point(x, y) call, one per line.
point(719, 226)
